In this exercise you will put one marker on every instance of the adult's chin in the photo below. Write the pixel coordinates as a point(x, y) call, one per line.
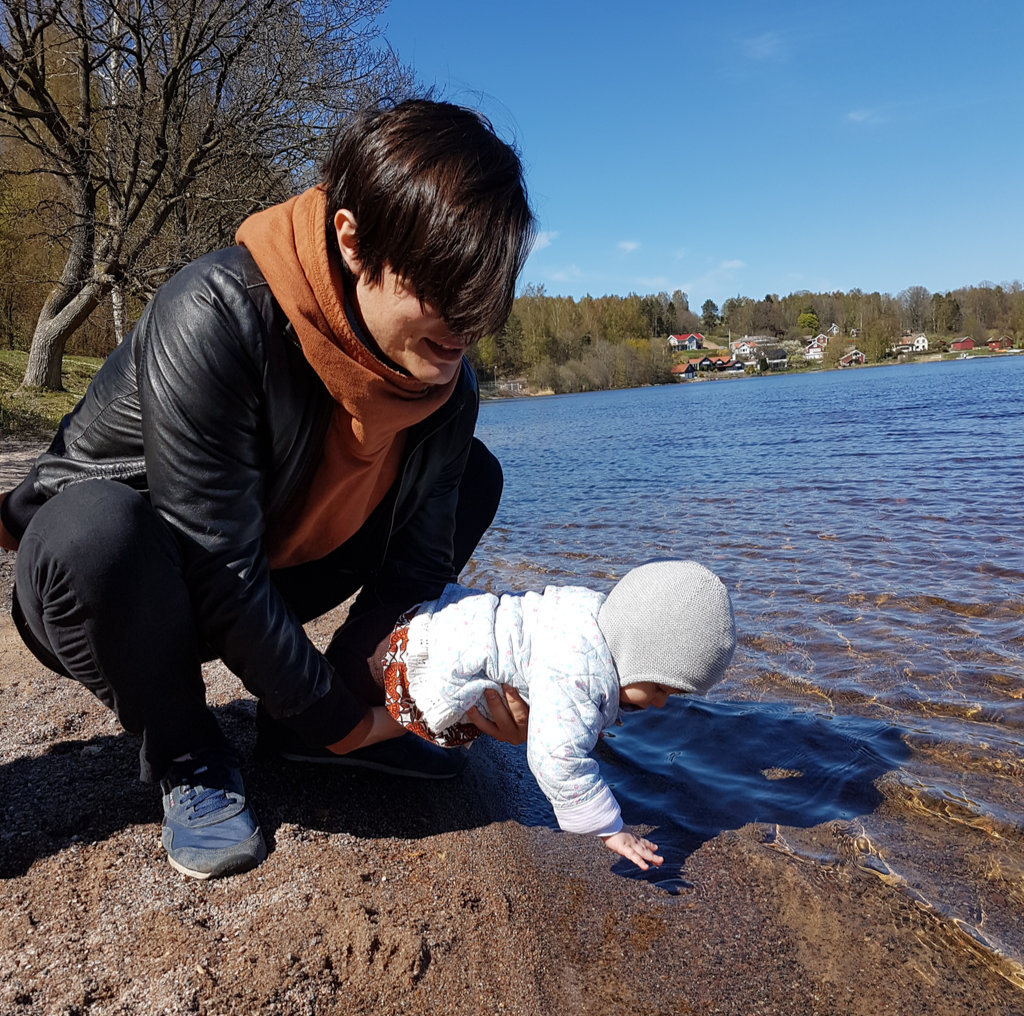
point(437, 371)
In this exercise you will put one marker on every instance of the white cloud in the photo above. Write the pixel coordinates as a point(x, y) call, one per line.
point(714, 280)
point(764, 47)
point(571, 273)
point(545, 238)
point(865, 116)
point(628, 246)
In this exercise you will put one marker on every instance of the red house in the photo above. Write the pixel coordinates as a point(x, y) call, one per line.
point(962, 344)
point(685, 372)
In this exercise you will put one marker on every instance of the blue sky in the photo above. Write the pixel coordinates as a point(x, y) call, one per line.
point(748, 148)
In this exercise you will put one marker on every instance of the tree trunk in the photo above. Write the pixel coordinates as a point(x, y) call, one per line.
point(81, 286)
point(117, 309)
point(62, 313)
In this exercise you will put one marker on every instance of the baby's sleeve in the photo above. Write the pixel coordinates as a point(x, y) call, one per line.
point(565, 722)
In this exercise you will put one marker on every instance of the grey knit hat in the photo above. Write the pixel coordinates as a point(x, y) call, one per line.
point(670, 622)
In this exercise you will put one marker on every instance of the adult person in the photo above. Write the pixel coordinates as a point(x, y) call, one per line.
point(290, 421)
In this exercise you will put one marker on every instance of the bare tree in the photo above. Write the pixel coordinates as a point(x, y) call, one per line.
point(916, 304)
point(166, 121)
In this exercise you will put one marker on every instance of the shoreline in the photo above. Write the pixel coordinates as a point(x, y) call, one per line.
point(395, 896)
point(714, 376)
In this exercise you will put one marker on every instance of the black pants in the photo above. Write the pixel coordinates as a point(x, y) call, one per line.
point(100, 597)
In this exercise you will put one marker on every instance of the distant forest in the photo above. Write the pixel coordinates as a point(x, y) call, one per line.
point(561, 344)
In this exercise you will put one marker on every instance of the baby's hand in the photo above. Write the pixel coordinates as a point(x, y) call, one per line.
point(633, 849)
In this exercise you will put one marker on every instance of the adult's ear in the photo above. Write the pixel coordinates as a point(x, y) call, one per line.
point(345, 228)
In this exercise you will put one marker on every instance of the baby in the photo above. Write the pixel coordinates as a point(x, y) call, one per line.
point(578, 657)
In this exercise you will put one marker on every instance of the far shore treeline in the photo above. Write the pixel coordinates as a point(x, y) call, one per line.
point(561, 344)
point(557, 343)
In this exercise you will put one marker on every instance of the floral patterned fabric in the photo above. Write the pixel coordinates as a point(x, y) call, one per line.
point(399, 702)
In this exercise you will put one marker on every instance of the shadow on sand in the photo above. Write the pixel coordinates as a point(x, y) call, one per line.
point(81, 791)
point(737, 763)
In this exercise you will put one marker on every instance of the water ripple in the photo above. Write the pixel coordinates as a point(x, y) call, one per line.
point(871, 538)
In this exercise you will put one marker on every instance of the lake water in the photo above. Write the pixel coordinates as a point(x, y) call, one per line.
point(870, 526)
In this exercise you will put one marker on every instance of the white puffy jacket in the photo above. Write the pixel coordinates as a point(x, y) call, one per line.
point(549, 647)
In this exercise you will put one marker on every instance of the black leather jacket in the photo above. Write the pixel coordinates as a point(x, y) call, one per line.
point(210, 408)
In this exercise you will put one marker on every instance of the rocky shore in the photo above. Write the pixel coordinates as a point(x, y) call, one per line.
point(393, 896)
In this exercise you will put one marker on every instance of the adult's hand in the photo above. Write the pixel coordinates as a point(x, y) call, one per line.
point(510, 716)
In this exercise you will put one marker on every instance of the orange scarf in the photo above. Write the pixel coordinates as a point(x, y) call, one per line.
point(375, 404)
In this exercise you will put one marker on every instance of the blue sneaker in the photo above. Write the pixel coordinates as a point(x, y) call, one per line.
point(408, 755)
point(208, 828)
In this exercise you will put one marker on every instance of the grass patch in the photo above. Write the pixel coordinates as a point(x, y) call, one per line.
point(955, 354)
point(35, 414)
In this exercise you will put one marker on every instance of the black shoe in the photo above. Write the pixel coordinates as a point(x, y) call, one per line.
point(408, 755)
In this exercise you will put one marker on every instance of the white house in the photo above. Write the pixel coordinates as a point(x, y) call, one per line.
point(910, 344)
point(692, 341)
point(750, 344)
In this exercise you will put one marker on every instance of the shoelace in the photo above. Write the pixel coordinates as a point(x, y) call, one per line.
point(202, 800)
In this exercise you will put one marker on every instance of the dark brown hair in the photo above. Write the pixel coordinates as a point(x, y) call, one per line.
point(439, 199)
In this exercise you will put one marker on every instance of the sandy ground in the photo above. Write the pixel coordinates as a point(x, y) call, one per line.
point(394, 896)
